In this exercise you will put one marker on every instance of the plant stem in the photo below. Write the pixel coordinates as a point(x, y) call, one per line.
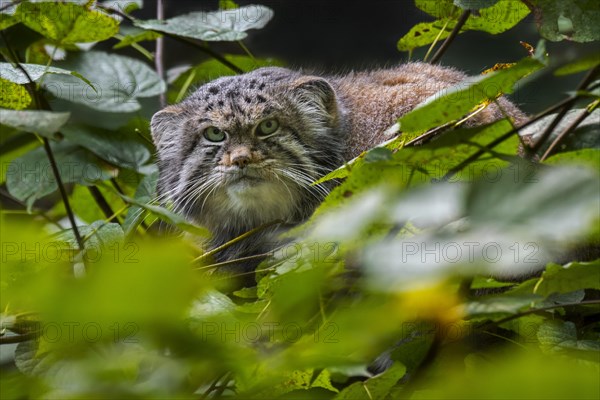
point(533, 311)
point(42, 104)
point(160, 46)
point(584, 114)
point(440, 52)
point(63, 193)
point(504, 137)
point(237, 239)
point(102, 203)
point(563, 111)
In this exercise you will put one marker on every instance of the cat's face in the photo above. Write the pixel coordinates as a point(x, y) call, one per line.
point(246, 149)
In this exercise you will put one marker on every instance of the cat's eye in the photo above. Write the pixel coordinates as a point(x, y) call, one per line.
point(214, 134)
point(267, 127)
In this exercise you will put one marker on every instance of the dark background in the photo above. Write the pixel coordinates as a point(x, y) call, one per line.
point(334, 36)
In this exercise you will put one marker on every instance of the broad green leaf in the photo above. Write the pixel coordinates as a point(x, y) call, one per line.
point(136, 38)
point(561, 337)
point(30, 177)
point(374, 388)
point(501, 16)
point(98, 237)
point(459, 100)
point(6, 21)
point(35, 71)
point(119, 82)
point(496, 306)
point(67, 23)
point(575, 20)
point(45, 123)
point(588, 157)
point(13, 96)
point(568, 278)
point(122, 149)
point(222, 25)
point(581, 64)
point(555, 203)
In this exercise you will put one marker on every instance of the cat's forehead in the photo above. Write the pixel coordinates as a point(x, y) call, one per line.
point(245, 96)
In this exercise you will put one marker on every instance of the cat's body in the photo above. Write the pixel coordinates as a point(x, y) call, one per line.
point(242, 151)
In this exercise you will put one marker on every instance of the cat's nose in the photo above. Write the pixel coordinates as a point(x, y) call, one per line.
point(240, 157)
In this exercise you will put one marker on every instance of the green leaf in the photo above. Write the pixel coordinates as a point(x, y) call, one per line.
point(581, 64)
point(500, 17)
point(13, 96)
point(45, 123)
point(568, 278)
point(6, 21)
point(67, 23)
point(561, 337)
point(170, 217)
point(575, 20)
point(222, 25)
point(497, 306)
point(587, 157)
point(126, 6)
point(30, 177)
point(35, 72)
point(98, 236)
point(374, 388)
point(122, 149)
point(119, 82)
point(136, 38)
point(227, 5)
point(459, 100)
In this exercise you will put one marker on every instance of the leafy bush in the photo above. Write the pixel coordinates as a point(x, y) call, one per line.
point(397, 262)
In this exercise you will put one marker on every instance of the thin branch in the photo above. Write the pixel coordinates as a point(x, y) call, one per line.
point(18, 338)
point(103, 204)
point(533, 311)
point(237, 239)
point(41, 103)
point(9, 5)
point(584, 114)
point(589, 78)
point(504, 137)
point(160, 46)
point(234, 261)
point(440, 52)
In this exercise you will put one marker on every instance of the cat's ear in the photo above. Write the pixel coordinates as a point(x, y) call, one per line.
point(163, 122)
point(318, 91)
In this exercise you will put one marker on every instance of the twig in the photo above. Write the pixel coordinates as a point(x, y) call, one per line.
point(9, 5)
point(533, 311)
point(234, 261)
point(584, 114)
point(214, 385)
point(41, 103)
point(160, 45)
point(440, 52)
point(563, 111)
point(237, 239)
point(504, 137)
point(18, 338)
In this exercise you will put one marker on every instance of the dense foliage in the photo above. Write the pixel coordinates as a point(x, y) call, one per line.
point(398, 259)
